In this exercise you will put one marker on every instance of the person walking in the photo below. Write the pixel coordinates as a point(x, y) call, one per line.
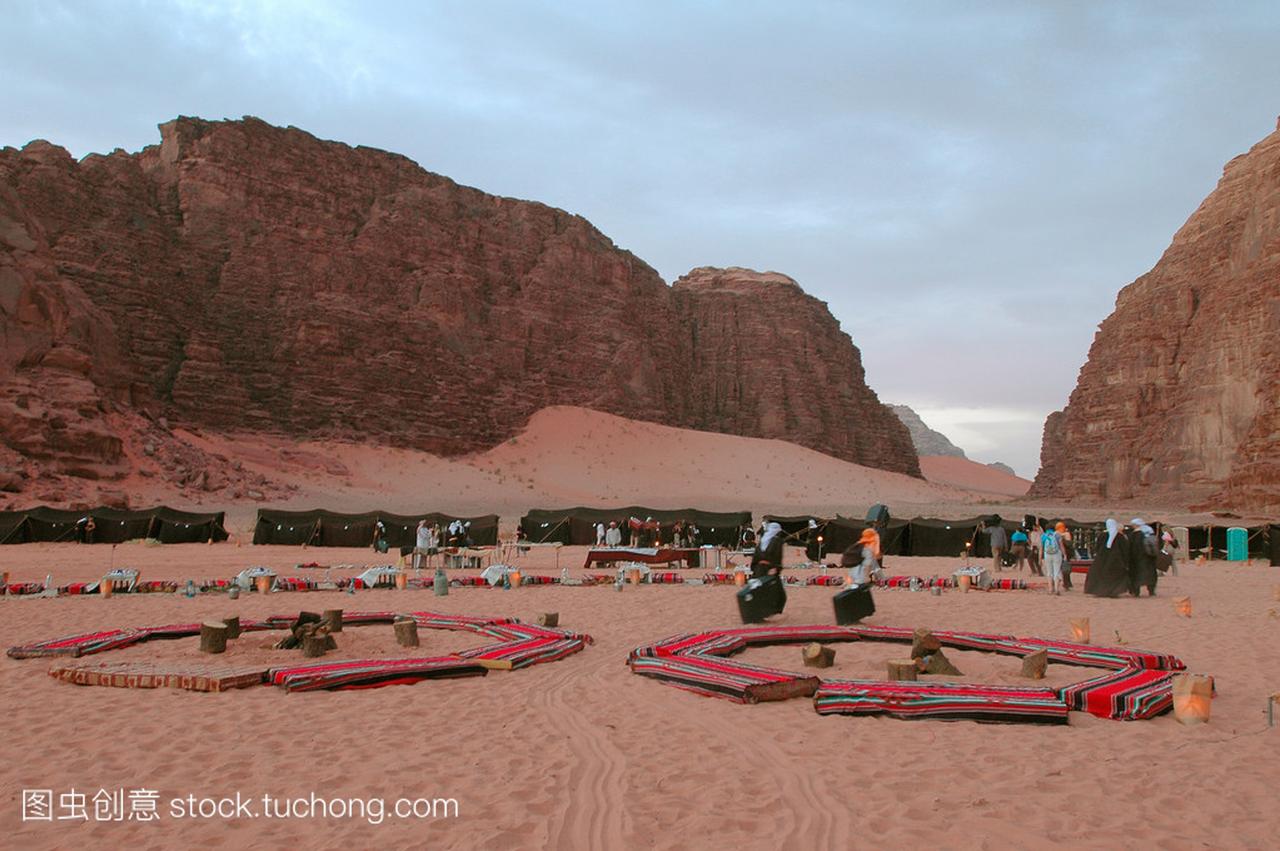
point(999, 543)
point(1054, 559)
point(1019, 543)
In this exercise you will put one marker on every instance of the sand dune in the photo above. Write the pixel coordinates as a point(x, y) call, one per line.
point(571, 456)
point(972, 476)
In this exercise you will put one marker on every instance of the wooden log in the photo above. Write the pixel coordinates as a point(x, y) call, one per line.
point(1033, 666)
point(333, 619)
point(901, 670)
point(817, 656)
point(548, 619)
point(406, 632)
point(923, 643)
point(938, 663)
point(233, 626)
point(313, 646)
point(784, 690)
point(213, 638)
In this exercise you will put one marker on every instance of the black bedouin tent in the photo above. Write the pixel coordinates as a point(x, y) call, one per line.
point(576, 526)
point(111, 525)
point(842, 532)
point(321, 528)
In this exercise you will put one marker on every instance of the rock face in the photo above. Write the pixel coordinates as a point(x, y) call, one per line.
point(767, 360)
point(1002, 467)
point(926, 440)
point(1180, 397)
point(245, 278)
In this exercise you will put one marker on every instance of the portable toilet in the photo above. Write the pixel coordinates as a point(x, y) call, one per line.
point(1237, 544)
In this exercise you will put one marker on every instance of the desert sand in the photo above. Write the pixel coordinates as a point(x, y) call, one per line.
point(972, 476)
point(580, 753)
point(573, 456)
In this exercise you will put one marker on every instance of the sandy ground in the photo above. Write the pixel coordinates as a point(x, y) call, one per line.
point(582, 754)
point(572, 456)
point(970, 475)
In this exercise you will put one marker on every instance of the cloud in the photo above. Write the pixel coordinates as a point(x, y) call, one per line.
point(967, 185)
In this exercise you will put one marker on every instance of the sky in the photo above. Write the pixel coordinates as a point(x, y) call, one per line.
point(967, 186)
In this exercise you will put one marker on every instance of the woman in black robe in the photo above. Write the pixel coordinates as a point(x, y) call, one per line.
point(768, 555)
point(1109, 574)
point(1143, 549)
point(812, 549)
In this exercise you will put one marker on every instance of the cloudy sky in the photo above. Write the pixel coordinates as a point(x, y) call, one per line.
point(967, 185)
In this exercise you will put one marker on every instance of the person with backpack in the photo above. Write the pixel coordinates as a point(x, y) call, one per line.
point(1051, 545)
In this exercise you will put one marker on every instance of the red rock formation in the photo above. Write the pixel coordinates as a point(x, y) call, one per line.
point(1180, 397)
point(769, 361)
point(241, 277)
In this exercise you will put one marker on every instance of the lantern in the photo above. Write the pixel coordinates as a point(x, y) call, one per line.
point(633, 575)
point(402, 580)
point(739, 578)
point(1080, 630)
point(1192, 698)
point(965, 581)
point(105, 587)
point(264, 584)
point(1182, 605)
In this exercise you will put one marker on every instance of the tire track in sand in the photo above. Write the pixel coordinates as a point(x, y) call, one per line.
point(822, 817)
point(592, 816)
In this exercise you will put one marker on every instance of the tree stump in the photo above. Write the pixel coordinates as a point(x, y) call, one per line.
point(233, 626)
point(938, 663)
point(817, 656)
point(213, 638)
point(1033, 666)
point(406, 632)
point(923, 643)
point(549, 619)
point(314, 646)
point(899, 670)
point(333, 619)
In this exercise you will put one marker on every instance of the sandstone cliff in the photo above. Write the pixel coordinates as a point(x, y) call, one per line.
point(1180, 397)
point(240, 277)
point(926, 440)
point(767, 360)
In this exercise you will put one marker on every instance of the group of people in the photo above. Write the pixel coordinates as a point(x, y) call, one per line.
point(648, 533)
point(1131, 558)
point(1044, 551)
point(862, 558)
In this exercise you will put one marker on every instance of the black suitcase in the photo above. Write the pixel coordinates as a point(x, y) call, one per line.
point(761, 597)
point(854, 604)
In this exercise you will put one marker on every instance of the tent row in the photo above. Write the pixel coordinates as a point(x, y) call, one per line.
point(931, 536)
point(110, 526)
point(577, 526)
point(320, 528)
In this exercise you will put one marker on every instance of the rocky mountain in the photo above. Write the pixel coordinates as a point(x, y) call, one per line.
point(767, 360)
point(926, 440)
point(1002, 467)
point(240, 277)
point(1180, 397)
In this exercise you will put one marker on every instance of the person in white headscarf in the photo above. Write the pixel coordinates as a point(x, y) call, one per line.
point(599, 534)
point(812, 547)
point(768, 555)
point(613, 535)
point(1142, 558)
point(1109, 574)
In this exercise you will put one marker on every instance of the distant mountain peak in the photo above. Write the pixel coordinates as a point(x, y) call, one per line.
point(927, 441)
